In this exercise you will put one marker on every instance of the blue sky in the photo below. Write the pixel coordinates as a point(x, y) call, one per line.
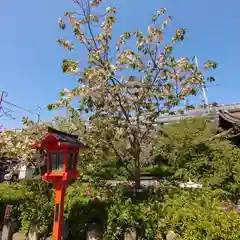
point(31, 59)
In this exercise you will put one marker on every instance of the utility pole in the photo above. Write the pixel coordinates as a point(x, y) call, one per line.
point(39, 114)
point(3, 94)
point(203, 87)
point(8, 112)
point(1, 98)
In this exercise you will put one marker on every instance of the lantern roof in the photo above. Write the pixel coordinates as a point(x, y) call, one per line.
point(55, 137)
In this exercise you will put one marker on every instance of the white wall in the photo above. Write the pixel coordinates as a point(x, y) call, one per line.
point(26, 172)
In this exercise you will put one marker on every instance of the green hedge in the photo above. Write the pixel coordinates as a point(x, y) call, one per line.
point(192, 215)
point(9, 194)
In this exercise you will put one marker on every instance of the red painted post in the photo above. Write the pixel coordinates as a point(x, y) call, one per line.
point(60, 190)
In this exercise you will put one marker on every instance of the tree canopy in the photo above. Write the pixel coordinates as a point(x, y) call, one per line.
point(124, 108)
point(190, 151)
point(18, 143)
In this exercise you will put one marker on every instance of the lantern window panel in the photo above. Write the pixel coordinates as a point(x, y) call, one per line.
point(71, 161)
point(56, 161)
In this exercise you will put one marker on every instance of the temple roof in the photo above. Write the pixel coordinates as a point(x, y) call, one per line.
point(54, 137)
point(63, 137)
point(230, 118)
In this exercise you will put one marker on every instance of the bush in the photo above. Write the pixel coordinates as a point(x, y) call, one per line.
point(37, 206)
point(9, 194)
point(200, 216)
point(191, 155)
point(82, 209)
point(191, 215)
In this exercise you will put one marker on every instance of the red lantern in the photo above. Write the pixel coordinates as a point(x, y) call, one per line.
point(61, 167)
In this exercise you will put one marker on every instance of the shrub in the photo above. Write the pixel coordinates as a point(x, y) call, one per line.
point(37, 205)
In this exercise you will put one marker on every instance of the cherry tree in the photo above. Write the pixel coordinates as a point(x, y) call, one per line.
point(18, 143)
point(124, 109)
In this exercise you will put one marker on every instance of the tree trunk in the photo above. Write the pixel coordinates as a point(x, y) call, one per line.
point(136, 151)
point(137, 174)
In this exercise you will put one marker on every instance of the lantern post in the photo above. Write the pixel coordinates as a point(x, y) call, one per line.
point(61, 167)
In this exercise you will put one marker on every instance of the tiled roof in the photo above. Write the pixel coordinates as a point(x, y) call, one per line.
point(65, 137)
point(230, 118)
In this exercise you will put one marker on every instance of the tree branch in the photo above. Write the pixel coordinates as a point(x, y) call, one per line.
point(87, 21)
point(119, 158)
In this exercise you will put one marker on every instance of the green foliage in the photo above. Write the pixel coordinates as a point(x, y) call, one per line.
point(37, 205)
point(9, 194)
point(160, 170)
point(101, 166)
point(181, 139)
point(82, 209)
point(32, 200)
point(200, 216)
point(191, 152)
point(191, 215)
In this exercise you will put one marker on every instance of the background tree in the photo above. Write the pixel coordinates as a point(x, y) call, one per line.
point(18, 143)
point(70, 125)
point(124, 110)
point(192, 150)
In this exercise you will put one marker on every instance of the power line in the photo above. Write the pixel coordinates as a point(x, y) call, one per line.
point(17, 106)
point(14, 105)
point(7, 113)
point(7, 119)
point(215, 85)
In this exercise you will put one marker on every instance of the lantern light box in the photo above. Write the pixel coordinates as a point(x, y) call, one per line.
point(62, 151)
